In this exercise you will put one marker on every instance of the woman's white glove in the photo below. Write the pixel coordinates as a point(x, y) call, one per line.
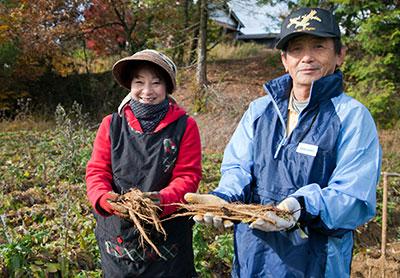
point(208, 218)
point(280, 224)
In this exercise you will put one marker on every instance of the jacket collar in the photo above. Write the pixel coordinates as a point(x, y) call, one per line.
point(321, 90)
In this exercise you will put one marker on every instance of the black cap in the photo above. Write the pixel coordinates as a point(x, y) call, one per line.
point(311, 21)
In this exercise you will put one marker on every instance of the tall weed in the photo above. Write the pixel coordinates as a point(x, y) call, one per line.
point(73, 142)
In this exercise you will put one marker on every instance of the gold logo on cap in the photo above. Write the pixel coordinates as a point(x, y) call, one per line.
point(303, 21)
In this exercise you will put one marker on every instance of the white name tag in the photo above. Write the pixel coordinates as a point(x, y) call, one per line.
point(307, 149)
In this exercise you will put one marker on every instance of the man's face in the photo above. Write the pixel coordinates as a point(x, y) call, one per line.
point(308, 58)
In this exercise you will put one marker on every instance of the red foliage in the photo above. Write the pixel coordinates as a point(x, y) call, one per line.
point(115, 25)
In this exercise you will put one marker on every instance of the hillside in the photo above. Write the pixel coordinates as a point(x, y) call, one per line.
point(233, 84)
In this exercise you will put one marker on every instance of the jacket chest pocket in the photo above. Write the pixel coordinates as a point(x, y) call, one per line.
point(275, 179)
point(309, 163)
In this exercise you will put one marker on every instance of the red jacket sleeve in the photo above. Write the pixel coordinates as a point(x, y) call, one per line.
point(98, 169)
point(187, 171)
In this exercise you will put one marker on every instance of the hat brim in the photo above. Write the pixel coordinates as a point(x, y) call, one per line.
point(122, 70)
point(283, 41)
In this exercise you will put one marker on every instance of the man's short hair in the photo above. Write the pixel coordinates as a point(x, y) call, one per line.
point(337, 43)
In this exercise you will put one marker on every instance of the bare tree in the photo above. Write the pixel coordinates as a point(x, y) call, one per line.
point(202, 47)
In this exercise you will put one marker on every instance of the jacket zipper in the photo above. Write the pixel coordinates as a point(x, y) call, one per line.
point(284, 139)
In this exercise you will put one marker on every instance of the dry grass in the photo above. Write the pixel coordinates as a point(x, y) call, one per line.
point(27, 124)
point(233, 84)
point(390, 142)
point(225, 51)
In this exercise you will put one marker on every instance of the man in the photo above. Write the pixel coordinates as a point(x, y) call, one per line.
point(309, 149)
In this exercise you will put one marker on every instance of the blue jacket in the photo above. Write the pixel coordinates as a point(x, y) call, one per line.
point(330, 163)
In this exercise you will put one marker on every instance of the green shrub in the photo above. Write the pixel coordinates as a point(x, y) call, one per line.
point(373, 65)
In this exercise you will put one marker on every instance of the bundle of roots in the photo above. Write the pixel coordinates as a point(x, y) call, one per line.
point(143, 213)
point(235, 212)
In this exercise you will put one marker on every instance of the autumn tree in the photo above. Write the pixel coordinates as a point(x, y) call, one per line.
point(114, 26)
point(202, 49)
point(36, 37)
point(43, 31)
point(186, 24)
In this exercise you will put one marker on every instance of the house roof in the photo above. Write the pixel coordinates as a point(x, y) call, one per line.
point(256, 36)
point(249, 18)
point(223, 15)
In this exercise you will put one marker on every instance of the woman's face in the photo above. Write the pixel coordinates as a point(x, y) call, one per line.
point(147, 87)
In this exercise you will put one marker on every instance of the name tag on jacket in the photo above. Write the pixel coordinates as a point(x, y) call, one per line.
point(307, 149)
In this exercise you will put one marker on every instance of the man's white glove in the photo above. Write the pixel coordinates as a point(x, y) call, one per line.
point(280, 224)
point(208, 218)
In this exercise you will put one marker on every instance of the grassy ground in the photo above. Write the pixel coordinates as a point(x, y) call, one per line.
point(46, 223)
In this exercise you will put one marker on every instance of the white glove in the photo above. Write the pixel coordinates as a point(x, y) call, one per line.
point(280, 224)
point(208, 218)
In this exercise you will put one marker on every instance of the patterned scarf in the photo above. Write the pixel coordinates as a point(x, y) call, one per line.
point(149, 115)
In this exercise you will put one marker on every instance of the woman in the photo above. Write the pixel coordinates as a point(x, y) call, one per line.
point(150, 144)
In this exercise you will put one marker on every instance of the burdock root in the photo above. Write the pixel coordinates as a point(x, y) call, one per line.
point(142, 211)
point(235, 212)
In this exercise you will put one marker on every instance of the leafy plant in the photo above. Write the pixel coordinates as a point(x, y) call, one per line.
point(213, 251)
point(45, 200)
point(17, 252)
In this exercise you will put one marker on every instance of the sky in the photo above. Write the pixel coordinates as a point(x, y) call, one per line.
point(259, 19)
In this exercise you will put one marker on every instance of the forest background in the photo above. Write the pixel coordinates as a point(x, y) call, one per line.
point(56, 85)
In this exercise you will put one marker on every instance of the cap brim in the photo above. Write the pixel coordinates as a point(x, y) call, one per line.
point(282, 42)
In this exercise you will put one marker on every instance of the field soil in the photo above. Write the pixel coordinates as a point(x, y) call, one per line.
point(233, 84)
point(373, 264)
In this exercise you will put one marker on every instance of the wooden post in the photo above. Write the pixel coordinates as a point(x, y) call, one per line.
point(381, 263)
point(384, 214)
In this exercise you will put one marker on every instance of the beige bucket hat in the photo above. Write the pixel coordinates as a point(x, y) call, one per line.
point(122, 68)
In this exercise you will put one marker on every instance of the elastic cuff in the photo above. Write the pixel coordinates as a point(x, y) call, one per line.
point(305, 217)
point(303, 209)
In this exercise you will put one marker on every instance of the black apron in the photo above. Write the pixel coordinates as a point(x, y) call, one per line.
point(144, 161)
